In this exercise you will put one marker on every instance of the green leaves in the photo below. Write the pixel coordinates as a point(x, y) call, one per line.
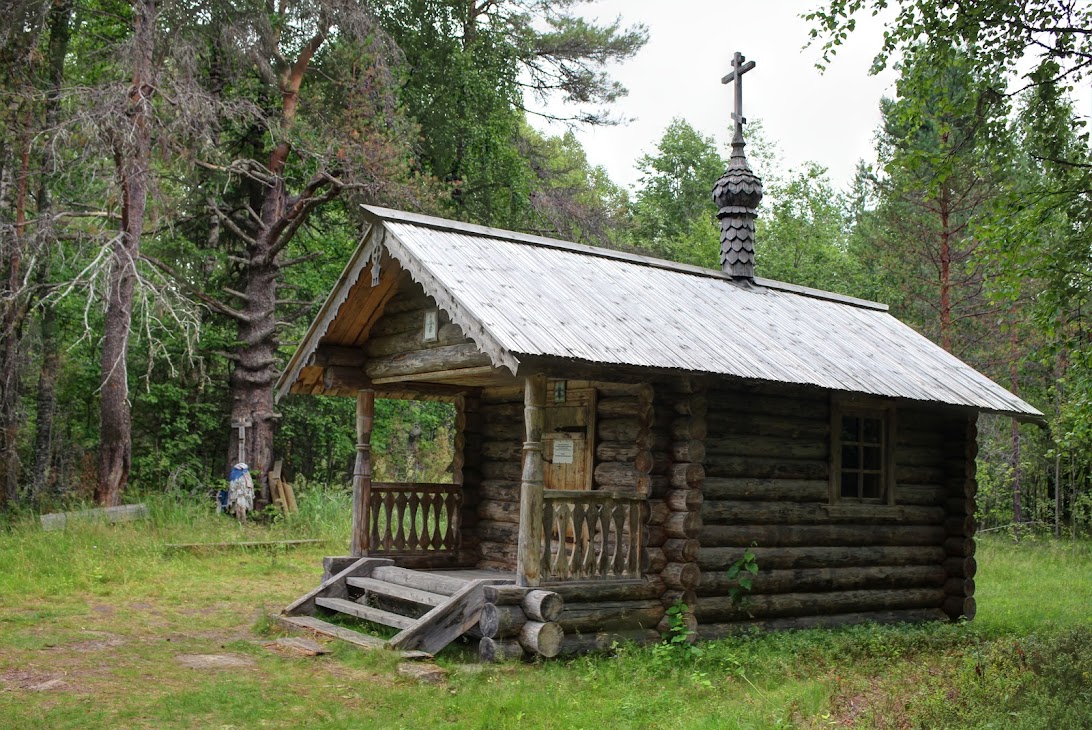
point(743, 572)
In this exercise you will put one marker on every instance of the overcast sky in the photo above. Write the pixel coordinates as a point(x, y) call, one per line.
point(826, 117)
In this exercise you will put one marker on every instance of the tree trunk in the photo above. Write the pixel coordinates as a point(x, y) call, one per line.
point(47, 401)
point(132, 160)
point(1014, 377)
point(945, 270)
point(60, 19)
point(255, 370)
point(11, 332)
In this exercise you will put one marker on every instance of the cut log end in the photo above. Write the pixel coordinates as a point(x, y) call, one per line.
point(543, 606)
point(542, 638)
point(492, 650)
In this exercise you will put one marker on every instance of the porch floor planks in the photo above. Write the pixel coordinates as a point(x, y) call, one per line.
point(469, 574)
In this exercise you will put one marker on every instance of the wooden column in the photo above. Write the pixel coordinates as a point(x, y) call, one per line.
point(528, 555)
point(362, 470)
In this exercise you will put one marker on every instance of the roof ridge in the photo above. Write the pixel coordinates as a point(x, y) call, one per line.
point(401, 216)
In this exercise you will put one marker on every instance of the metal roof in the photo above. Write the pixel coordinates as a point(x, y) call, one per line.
point(522, 296)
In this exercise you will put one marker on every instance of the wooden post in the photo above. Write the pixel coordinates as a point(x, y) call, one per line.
point(529, 557)
point(362, 471)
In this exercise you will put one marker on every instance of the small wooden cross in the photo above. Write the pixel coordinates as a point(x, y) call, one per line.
point(242, 426)
point(740, 66)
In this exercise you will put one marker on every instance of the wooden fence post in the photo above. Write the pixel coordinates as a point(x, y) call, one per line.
point(529, 557)
point(362, 471)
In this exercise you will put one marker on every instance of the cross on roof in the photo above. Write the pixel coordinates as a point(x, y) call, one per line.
point(740, 66)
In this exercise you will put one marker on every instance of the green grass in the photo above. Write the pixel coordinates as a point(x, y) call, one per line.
point(93, 621)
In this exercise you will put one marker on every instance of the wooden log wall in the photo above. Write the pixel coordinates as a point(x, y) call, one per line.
point(625, 457)
point(961, 487)
point(684, 409)
point(467, 471)
point(767, 484)
point(401, 327)
point(501, 432)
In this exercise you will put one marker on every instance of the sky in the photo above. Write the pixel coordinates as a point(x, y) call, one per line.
point(829, 118)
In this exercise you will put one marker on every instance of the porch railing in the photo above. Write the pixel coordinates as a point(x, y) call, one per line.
point(412, 519)
point(591, 534)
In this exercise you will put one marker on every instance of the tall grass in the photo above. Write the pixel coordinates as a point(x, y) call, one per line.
point(100, 558)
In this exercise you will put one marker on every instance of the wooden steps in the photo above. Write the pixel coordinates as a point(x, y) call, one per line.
point(394, 590)
point(430, 610)
point(421, 580)
point(375, 615)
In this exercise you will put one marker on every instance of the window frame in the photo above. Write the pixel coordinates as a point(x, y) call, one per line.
point(884, 411)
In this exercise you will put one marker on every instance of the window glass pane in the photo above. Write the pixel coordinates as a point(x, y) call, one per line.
point(851, 457)
point(873, 430)
point(850, 427)
point(870, 486)
point(849, 485)
point(872, 456)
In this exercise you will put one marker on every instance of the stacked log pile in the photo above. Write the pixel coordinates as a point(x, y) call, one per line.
point(767, 485)
point(517, 622)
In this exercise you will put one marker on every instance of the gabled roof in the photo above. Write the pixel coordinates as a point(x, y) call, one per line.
point(523, 297)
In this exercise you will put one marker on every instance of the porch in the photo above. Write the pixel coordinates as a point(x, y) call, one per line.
point(502, 554)
point(541, 534)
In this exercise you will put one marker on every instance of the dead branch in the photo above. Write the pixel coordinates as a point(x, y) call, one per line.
point(213, 304)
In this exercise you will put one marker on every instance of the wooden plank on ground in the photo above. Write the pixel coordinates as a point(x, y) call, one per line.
point(325, 628)
point(289, 496)
point(121, 513)
point(203, 546)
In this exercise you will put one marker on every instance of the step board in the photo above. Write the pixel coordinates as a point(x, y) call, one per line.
point(421, 580)
point(375, 615)
point(337, 632)
point(325, 628)
point(393, 590)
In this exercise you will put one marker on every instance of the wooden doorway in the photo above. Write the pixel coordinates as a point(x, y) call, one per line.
point(569, 437)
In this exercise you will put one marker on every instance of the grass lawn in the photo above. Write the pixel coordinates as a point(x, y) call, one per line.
point(101, 627)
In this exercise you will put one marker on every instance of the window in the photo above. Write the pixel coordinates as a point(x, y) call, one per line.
point(862, 454)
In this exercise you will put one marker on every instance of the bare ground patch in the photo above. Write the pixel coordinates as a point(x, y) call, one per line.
point(215, 661)
point(35, 680)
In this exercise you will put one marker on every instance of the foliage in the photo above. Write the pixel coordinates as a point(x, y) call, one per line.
point(997, 34)
point(467, 68)
point(743, 571)
point(673, 211)
point(678, 637)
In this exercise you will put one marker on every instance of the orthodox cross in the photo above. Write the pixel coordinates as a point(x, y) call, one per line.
point(740, 66)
